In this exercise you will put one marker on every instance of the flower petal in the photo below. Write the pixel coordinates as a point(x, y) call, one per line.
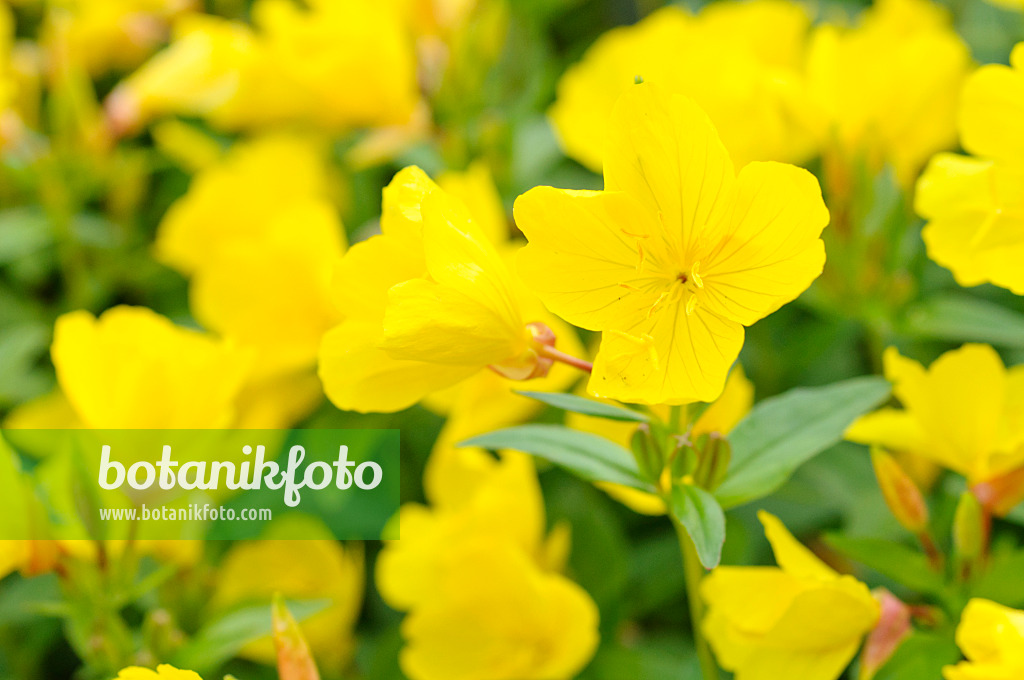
point(671, 358)
point(771, 252)
point(790, 554)
point(584, 258)
point(358, 376)
point(991, 111)
point(664, 151)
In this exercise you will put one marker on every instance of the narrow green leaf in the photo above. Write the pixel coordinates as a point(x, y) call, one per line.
point(586, 455)
point(783, 432)
point(960, 317)
point(700, 513)
point(588, 407)
point(220, 640)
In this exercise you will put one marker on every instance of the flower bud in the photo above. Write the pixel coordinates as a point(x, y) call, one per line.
point(713, 460)
point(294, 661)
point(1000, 495)
point(649, 456)
point(682, 459)
point(892, 628)
point(968, 528)
point(901, 494)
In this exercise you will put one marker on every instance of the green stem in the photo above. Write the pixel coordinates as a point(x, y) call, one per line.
point(675, 419)
point(693, 571)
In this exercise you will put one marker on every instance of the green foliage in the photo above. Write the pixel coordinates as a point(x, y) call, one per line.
point(784, 432)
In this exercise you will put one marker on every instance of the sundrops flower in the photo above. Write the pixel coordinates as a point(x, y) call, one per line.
point(886, 90)
point(975, 205)
point(492, 603)
point(132, 368)
point(496, 616)
point(283, 69)
point(965, 412)
point(101, 35)
point(720, 417)
point(258, 235)
point(312, 569)
point(676, 255)
point(991, 636)
point(800, 619)
point(428, 303)
point(739, 61)
point(162, 672)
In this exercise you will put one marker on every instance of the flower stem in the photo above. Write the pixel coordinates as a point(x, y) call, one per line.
point(558, 355)
point(931, 550)
point(693, 572)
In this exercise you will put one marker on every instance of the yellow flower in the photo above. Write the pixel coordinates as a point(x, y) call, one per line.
point(496, 616)
point(991, 636)
point(739, 61)
point(109, 34)
point(252, 572)
point(491, 603)
point(965, 412)
point(284, 69)
point(132, 368)
point(975, 206)
point(676, 255)
point(474, 497)
point(428, 303)
point(886, 90)
point(800, 619)
point(162, 672)
point(259, 237)
point(721, 416)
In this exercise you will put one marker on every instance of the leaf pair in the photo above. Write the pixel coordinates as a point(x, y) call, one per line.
point(776, 437)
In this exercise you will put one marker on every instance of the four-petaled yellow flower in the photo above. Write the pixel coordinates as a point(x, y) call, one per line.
point(975, 205)
point(965, 412)
point(258, 235)
point(132, 368)
point(676, 255)
point(740, 61)
point(886, 91)
point(162, 672)
point(800, 619)
point(284, 69)
point(315, 568)
point(428, 303)
point(991, 636)
point(491, 604)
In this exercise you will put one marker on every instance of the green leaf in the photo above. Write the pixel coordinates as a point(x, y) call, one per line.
point(220, 640)
point(588, 407)
point(700, 513)
point(920, 657)
point(586, 455)
point(903, 565)
point(23, 231)
point(959, 317)
point(1001, 581)
point(783, 432)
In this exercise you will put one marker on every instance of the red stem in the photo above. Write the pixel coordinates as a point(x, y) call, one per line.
point(558, 355)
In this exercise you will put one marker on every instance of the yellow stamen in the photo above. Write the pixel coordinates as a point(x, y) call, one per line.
point(695, 274)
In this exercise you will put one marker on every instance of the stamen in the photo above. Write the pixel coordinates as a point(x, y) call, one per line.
point(691, 304)
point(657, 303)
point(695, 274)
